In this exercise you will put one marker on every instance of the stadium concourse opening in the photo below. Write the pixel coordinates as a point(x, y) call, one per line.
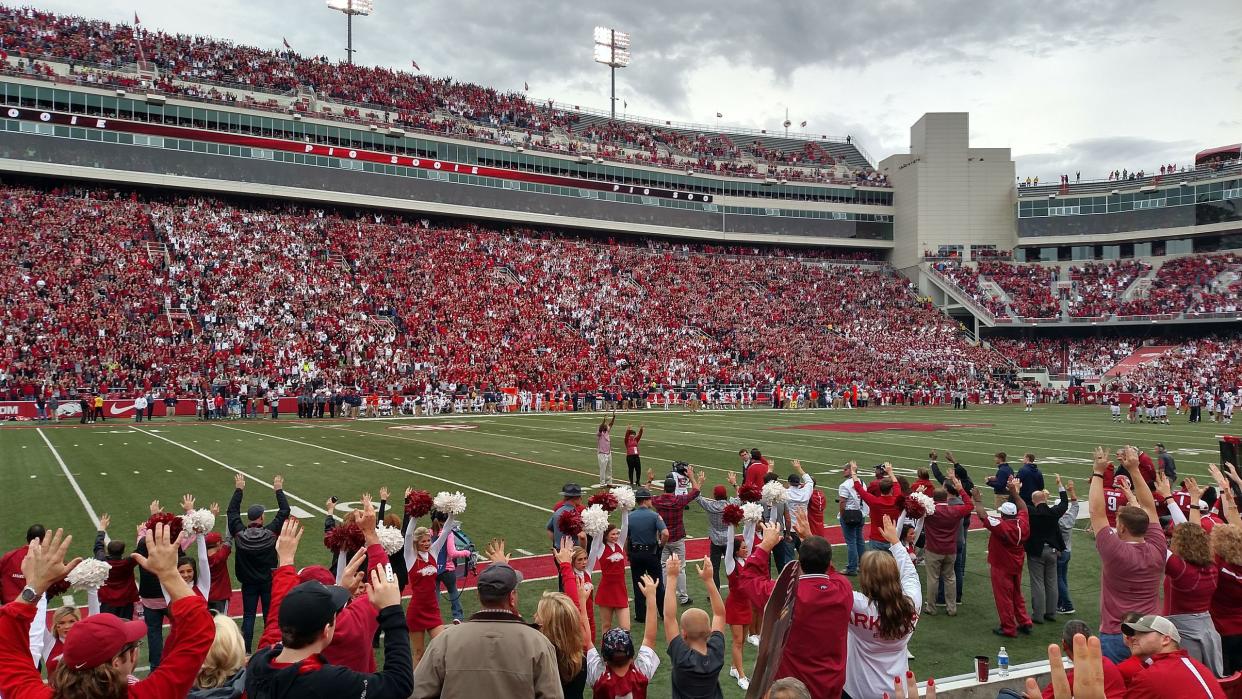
point(858, 427)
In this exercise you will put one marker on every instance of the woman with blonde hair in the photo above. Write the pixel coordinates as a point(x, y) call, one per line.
point(889, 599)
point(63, 619)
point(223, 675)
point(562, 622)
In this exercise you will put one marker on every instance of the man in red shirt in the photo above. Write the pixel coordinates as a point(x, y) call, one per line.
point(1114, 683)
point(1172, 673)
point(755, 470)
point(1006, 556)
point(888, 502)
point(1115, 497)
point(11, 579)
point(823, 600)
point(940, 532)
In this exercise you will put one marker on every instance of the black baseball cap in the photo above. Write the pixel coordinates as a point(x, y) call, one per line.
point(642, 494)
point(497, 580)
point(311, 606)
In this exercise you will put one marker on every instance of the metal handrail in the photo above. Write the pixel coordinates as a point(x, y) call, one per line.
point(1202, 172)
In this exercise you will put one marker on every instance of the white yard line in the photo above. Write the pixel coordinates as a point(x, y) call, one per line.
point(463, 486)
point(73, 482)
point(234, 469)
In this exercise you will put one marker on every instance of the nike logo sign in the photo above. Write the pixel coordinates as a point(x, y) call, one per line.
point(117, 409)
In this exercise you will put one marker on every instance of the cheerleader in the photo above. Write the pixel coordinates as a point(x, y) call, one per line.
point(738, 613)
point(63, 619)
point(578, 566)
point(612, 597)
point(423, 613)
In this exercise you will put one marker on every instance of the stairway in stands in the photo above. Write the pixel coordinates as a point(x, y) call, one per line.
point(1137, 358)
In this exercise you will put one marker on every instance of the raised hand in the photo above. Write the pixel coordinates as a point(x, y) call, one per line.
point(367, 521)
point(771, 533)
point(287, 542)
point(239, 481)
point(350, 578)
point(1192, 487)
point(1100, 462)
point(948, 456)
point(382, 592)
point(797, 466)
point(408, 490)
point(162, 555)
point(154, 507)
point(214, 508)
point(672, 567)
point(801, 521)
point(705, 570)
point(495, 551)
point(1129, 458)
point(278, 483)
point(889, 530)
point(565, 552)
point(383, 492)
point(1221, 483)
point(1163, 487)
point(1060, 483)
point(187, 503)
point(647, 586)
point(931, 455)
point(732, 479)
point(44, 563)
point(104, 521)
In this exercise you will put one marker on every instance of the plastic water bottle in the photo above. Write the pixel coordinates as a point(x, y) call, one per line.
point(1002, 662)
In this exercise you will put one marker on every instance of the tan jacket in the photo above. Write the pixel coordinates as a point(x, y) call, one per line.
point(493, 655)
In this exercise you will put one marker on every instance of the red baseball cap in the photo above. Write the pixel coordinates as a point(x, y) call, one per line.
point(720, 493)
point(98, 638)
point(318, 573)
point(213, 539)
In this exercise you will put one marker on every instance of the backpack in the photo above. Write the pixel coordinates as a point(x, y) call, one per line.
point(469, 566)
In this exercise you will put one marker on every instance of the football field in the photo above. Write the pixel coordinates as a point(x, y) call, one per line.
point(511, 469)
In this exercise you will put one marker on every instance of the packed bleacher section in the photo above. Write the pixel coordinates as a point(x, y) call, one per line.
point(1193, 365)
point(1080, 357)
point(108, 289)
point(1029, 288)
point(1098, 286)
point(199, 67)
point(967, 279)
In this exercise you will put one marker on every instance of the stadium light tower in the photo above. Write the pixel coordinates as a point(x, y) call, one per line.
point(612, 48)
point(350, 8)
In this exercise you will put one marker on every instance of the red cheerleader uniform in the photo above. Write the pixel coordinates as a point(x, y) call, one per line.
point(612, 592)
point(423, 614)
point(737, 604)
point(582, 583)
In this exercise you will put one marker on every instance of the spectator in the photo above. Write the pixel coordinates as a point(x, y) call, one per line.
point(1030, 478)
point(822, 603)
point(1065, 605)
point(119, 593)
point(1000, 480)
point(883, 618)
point(941, 530)
point(1131, 555)
point(101, 652)
point(1226, 612)
point(672, 509)
point(223, 675)
point(615, 671)
point(256, 552)
point(717, 530)
point(956, 497)
point(564, 626)
point(887, 504)
point(1114, 683)
point(1172, 673)
point(1042, 551)
point(696, 645)
point(851, 513)
point(647, 534)
point(1007, 534)
point(11, 580)
point(788, 688)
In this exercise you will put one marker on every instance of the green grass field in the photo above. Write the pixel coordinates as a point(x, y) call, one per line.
point(512, 467)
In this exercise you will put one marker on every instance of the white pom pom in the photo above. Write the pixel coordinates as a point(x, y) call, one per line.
point(594, 520)
point(390, 538)
point(449, 503)
point(90, 574)
point(773, 493)
point(625, 497)
point(752, 512)
point(198, 521)
point(929, 505)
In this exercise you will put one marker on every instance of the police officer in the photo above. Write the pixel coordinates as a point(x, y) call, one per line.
point(647, 534)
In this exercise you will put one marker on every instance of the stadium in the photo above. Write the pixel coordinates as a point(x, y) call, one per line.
point(222, 261)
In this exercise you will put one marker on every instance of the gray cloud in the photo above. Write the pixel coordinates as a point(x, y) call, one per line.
point(1098, 156)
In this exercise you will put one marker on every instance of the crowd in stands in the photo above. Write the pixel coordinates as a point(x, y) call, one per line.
point(967, 279)
point(1029, 288)
point(203, 68)
point(1098, 286)
point(1198, 364)
point(120, 291)
point(1080, 357)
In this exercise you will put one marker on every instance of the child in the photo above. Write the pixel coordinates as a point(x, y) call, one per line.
point(615, 671)
point(119, 592)
point(696, 649)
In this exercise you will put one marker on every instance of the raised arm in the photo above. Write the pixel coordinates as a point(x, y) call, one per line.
point(1141, 490)
point(234, 510)
point(709, 582)
point(671, 571)
point(445, 532)
point(1096, 506)
point(202, 583)
point(648, 588)
point(909, 575)
point(282, 505)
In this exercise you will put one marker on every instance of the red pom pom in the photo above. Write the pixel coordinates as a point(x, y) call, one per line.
point(345, 538)
point(914, 509)
point(570, 523)
point(418, 503)
point(749, 493)
point(605, 500)
point(732, 515)
point(168, 518)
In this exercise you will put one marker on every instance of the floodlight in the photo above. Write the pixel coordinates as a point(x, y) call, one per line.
point(612, 48)
point(350, 8)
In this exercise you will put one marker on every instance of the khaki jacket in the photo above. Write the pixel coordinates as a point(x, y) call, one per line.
point(493, 654)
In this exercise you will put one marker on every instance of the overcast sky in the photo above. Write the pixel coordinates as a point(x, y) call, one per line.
point(1093, 86)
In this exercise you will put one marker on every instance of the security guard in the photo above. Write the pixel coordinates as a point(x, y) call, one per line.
point(647, 534)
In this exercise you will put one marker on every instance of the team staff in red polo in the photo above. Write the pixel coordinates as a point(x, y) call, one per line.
point(888, 502)
point(1005, 558)
point(822, 607)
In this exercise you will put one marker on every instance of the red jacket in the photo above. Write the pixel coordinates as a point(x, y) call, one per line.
point(821, 621)
point(755, 471)
point(184, 651)
point(1175, 675)
point(1114, 683)
point(221, 583)
point(1005, 551)
point(355, 624)
point(881, 505)
point(11, 579)
point(119, 589)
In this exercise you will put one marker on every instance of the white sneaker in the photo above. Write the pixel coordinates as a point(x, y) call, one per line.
point(753, 640)
point(733, 673)
point(743, 682)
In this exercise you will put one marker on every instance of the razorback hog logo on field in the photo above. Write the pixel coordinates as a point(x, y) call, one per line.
point(434, 428)
point(857, 427)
